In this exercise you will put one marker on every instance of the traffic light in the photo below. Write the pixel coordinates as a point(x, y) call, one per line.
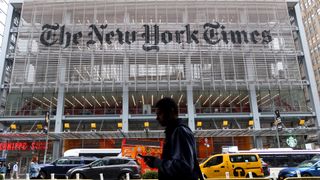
point(277, 112)
point(277, 121)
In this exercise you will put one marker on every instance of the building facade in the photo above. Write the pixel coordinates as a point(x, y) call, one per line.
point(311, 18)
point(3, 15)
point(95, 69)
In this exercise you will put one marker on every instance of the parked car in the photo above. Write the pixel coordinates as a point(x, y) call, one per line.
point(60, 166)
point(306, 168)
point(111, 168)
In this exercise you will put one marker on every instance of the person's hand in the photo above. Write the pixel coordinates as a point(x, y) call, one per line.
point(152, 161)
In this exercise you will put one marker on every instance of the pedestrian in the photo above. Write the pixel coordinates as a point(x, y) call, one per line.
point(34, 168)
point(8, 169)
point(15, 170)
point(179, 158)
point(3, 169)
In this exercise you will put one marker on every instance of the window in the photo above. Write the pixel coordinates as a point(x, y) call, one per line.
point(250, 158)
point(63, 161)
point(236, 158)
point(115, 162)
point(214, 161)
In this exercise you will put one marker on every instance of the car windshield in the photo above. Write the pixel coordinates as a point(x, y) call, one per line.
point(306, 164)
point(97, 163)
point(316, 157)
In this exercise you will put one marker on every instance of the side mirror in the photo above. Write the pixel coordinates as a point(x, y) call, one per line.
point(54, 163)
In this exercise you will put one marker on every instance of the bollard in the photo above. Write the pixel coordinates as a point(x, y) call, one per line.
point(250, 174)
point(227, 175)
point(27, 176)
point(127, 176)
point(298, 174)
point(273, 176)
point(101, 176)
point(77, 176)
point(52, 176)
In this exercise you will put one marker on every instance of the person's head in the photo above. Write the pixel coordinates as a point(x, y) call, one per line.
point(167, 111)
point(34, 159)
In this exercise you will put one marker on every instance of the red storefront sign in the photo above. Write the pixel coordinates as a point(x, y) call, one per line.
point(22, 146)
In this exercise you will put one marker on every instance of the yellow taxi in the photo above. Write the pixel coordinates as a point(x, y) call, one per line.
point(232, 165)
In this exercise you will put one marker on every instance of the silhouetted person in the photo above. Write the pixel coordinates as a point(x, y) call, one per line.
point(179, 158)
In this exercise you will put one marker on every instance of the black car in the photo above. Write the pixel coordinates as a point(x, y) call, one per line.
point(111, 168)
point(60, 166)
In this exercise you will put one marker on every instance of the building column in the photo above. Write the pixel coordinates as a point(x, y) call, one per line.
point(256, 115)
point(57, 149)
point(4, 88)
point(125, 97)
point(125, 108)
point(57, 144)
point(191, 123)
point(190, 104)
point(312, 88)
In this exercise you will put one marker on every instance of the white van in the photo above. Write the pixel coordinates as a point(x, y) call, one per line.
point(93, 152)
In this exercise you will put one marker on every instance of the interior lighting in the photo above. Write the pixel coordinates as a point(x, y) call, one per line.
point(263, 98)
point(69, 102)
point(114, 99)
point(105, 100)
point(40, 101)
point(243, 99)
point(152, 100)
point(180, 99)
point(87, 101)
point(161, 96)
point(216, 99)
point(77, 101)
point(198, 99)
point(49, 101)
point(234, 99)
point(96, 101)
point(134, 101)
point(207, 99)
point(225, 99)
point(142, 97)
point(269, 99)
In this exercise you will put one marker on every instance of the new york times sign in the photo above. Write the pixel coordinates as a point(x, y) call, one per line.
point(213, 33)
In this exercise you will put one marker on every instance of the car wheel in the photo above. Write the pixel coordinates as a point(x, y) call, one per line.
point(42, 175)
point(123, 177)
point(305, 175)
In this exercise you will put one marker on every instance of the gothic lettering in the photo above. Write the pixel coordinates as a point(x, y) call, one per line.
point(213, 34)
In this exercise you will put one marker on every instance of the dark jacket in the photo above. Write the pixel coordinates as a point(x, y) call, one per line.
point(179, 154)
